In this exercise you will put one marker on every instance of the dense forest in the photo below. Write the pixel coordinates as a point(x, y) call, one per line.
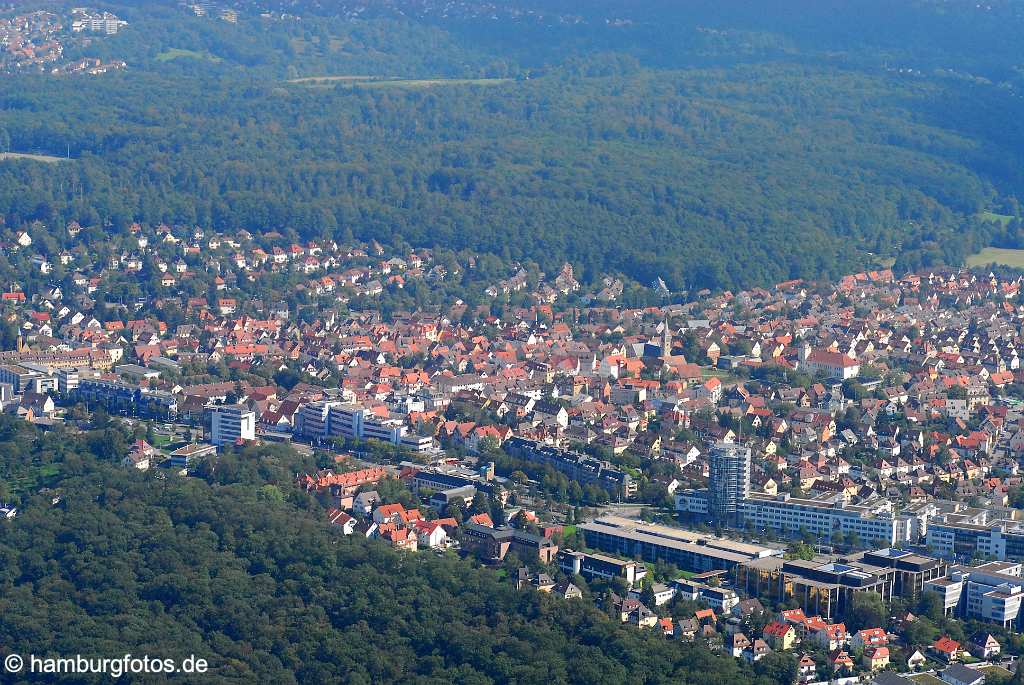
point(239, 567)
point(744, 156)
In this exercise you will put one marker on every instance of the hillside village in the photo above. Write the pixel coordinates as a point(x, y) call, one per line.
point(879, 418)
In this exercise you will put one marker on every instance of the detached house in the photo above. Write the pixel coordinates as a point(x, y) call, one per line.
point(339, 518)
point(780, 636)
point(946, 648)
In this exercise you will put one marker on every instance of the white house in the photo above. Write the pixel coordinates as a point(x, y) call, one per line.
point(833, 364)
point(430, 534)
point(342, 520)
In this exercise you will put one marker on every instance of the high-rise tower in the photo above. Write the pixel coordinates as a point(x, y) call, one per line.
point(729, 473)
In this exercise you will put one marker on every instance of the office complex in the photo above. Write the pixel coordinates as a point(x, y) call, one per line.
point(975, 535)
point(729, 502)
point(327, 419)
point(826, 585)
point(729, 482)
point(651, 542)
point(991, 592)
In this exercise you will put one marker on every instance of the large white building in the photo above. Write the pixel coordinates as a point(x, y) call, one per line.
point(230, 423)
point(975, 534)
point(318, 420)
point(990, 592)
point(100, 22)
point(824, 516)
point(833, 364)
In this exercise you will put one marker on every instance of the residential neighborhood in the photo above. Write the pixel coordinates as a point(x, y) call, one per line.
point(741, 469)
point(36, 41)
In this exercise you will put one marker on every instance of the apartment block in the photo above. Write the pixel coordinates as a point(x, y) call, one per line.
point(576, 466)
point(230, 423)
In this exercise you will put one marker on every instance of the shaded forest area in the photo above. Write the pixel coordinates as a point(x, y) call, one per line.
point(239, 567)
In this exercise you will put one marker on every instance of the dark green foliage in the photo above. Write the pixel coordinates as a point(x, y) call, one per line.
point(719, 176)
point(244, 572)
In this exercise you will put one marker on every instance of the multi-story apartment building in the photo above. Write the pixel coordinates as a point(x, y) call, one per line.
point(230, 423)
point(576, 466)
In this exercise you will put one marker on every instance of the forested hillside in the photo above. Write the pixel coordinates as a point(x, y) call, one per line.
point(240, 568)
point(710, 147)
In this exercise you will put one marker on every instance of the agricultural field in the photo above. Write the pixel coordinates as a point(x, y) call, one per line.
point(178, 53)
point(997, 255)
point(1000, 218)
point(49, 159)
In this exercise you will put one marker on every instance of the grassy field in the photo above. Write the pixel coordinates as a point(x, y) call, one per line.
point(373, 82)
point(999, 255)
point(992, 216)
point(29, 477)
point(329, 79)
point(177, 53)
point(37, 158)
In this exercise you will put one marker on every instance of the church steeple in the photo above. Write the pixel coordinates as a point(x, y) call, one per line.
point(666, 339)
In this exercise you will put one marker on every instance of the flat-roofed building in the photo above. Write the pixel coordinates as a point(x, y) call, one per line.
point(975, 536)
point(187, 456)
point(601, 566)
point(136, 372)
point(949, 590)
point(576, 466)
point(19, 377)
point(729, 483)
point(652, 542)
point(823, 585)
point(873, 524)
point(231, 423)
point(913, 571)
point(992, 592)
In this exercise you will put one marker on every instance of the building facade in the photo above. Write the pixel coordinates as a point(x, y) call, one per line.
point(729, 482)
point(230, 423)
